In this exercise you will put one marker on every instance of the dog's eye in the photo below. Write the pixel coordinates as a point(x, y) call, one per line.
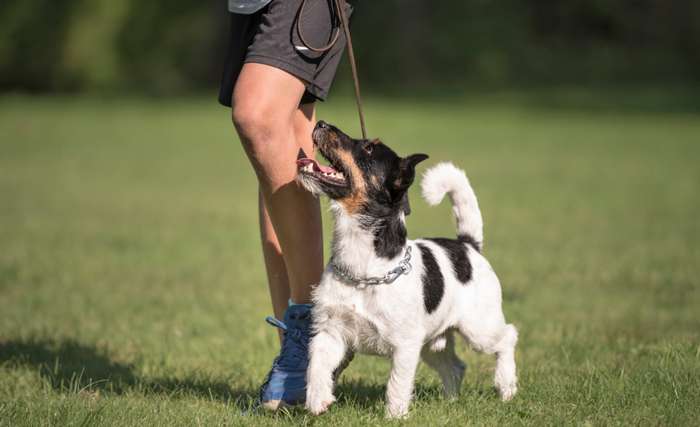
point(368, 148)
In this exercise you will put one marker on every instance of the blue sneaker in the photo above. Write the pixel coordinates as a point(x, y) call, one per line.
point(285, 385)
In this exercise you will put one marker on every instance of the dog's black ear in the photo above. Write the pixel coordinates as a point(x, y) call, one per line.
point(407, 171)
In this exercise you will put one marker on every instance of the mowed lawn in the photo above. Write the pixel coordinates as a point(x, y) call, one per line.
point(132, 290)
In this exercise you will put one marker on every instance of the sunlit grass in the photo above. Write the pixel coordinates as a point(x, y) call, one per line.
point(132, 290)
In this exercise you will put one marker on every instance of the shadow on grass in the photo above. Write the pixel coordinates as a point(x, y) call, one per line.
point(74, 367)
point(69, 366)
point(359, 394)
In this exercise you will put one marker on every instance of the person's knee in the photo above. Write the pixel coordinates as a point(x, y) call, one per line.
point(252, 123)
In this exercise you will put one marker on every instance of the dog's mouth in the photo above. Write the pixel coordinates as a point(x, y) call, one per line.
point(330, 175)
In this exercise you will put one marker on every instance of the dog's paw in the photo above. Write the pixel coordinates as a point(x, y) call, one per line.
point(397, 412)
point(507, 392)
point(320, 405)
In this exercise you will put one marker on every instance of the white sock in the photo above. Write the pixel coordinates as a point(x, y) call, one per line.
point(292, 303)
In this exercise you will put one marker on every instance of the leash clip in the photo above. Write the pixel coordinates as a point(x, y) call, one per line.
point(403, 268)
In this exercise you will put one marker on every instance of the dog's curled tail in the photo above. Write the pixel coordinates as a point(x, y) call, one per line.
point(445, 178)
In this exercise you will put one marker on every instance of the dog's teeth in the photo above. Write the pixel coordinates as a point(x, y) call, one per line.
point(334, 175)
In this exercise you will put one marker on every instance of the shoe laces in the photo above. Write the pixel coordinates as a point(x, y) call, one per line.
point(294, 343)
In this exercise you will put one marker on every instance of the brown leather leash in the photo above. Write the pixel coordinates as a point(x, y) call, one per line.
point(339, 15)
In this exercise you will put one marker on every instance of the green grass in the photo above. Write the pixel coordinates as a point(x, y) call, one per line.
point(132, 290)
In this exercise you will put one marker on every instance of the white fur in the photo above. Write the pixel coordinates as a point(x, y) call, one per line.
point(310, 184)
point(445, 178)
point(391, 320)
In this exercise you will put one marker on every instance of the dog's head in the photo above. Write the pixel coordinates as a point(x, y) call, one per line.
point(364, 177)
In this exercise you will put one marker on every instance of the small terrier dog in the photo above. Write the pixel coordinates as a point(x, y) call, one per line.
point(383, 294)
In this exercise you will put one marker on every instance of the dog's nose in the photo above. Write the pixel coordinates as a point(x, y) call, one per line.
point(321, 125)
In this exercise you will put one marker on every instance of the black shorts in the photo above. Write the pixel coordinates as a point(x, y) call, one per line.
point(270, 37)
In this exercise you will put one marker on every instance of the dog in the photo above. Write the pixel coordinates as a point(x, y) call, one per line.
point(386, 295)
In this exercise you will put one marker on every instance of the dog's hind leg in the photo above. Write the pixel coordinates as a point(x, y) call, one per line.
point(446, 363)
point(349, 355)
point(500, 341)
point(505, 379)
point(326, 353)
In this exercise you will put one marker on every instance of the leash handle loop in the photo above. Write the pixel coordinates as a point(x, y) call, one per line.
point(342, 16)
point(300, 33)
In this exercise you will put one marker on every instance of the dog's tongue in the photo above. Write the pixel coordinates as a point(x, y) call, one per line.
point(301, 162)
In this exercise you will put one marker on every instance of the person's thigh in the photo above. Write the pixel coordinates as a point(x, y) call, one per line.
point(266, 91)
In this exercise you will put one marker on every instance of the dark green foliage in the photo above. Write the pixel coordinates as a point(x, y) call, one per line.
point(508, 42)
point(166, 46)
point(172, 45)
point(32, 37)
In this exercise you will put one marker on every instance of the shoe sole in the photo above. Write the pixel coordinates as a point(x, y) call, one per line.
point(275, 405)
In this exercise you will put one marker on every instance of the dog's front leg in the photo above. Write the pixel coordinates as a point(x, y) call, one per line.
point(325, 355)
point(403, 374)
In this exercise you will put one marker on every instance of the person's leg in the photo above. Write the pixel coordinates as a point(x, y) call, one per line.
point(266, 116)
point(278, 281)
point(304, 122)
point(265, 105)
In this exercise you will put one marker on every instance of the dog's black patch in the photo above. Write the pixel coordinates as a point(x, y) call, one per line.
point(388, 230)
point(389, 238)
point(433, 282)
point(465, 238)
point(457, 253)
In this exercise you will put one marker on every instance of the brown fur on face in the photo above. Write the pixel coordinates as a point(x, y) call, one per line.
point(358, 196)
point(333, 139)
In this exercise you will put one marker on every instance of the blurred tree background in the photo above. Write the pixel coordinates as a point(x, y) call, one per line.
point(177, 46)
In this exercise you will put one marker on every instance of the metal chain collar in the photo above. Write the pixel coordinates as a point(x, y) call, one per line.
point(343, 273)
